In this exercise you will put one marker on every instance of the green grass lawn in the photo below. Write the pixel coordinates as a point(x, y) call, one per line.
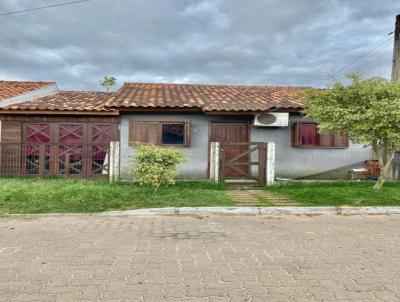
point(65, 195)
point(340, 193)
point(21, 196)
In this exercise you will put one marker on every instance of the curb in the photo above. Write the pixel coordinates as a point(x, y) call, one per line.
point(235, 211)
point(257, 211)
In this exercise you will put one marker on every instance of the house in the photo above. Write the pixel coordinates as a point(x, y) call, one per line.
point(45, 131)
point(193, 116)
point(52, 132)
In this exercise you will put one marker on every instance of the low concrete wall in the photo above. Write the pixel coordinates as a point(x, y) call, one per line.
point(290, 162)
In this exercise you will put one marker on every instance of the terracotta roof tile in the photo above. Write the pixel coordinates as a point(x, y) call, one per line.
point(10, 89)
point(208, 97)
point(67, 101)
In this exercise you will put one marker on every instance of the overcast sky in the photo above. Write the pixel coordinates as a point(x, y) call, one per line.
point(271, 42)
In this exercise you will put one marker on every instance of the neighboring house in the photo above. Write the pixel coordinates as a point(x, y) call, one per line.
point(12, 92)
point(52, 132)
point(193, 116)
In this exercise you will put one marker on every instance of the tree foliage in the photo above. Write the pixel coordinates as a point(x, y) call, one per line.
point(156, 166)
point(108, 83)
point(367, 109)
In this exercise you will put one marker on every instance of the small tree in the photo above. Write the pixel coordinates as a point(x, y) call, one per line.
point(156, 166)
point(108, 83)
point(368, 110)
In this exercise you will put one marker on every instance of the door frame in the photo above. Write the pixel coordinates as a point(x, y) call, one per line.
point(248, 123)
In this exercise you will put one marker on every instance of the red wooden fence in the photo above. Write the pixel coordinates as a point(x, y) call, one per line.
point(68, 160)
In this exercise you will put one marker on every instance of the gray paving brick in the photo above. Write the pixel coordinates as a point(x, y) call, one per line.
point(213, 259)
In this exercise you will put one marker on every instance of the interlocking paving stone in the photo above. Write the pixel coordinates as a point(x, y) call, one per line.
point(216, 258)
point(244, 198)
point(256, 197)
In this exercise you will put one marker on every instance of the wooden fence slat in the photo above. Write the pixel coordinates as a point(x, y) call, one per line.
point(38, 159)
point(42, 160)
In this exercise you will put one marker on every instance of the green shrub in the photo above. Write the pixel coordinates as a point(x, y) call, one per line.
point(157, 166)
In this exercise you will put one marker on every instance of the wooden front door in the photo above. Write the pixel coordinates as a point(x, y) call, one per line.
point(234, 132)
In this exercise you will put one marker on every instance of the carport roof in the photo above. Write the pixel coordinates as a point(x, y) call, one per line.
point(10, 89)
point(71, 101)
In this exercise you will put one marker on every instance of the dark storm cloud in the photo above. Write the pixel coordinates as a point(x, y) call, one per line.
point(278, 42)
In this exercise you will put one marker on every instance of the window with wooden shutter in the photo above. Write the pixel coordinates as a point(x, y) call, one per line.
point(160, 133)
point(306, 135)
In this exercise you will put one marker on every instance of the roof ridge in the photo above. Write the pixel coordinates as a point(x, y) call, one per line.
point(41, 82)
point(216, 97)
point(224, 85)
point(87, 91)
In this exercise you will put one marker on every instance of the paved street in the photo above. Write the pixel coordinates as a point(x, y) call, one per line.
point(225, 258)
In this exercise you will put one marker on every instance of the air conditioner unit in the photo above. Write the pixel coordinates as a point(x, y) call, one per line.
point(275, 119)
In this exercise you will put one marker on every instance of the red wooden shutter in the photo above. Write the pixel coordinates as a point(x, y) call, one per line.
point(325, 139)
point(145, 132)
point(188, 132)
point(309, 134)
point(296, 134)
point(340, 140)
point(152, 133)
point(136, 133)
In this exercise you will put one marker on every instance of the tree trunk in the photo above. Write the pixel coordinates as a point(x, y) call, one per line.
point(385, 156)
point(379, 183)
point(156, 188)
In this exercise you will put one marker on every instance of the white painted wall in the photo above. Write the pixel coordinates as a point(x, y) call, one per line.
point(290, 162)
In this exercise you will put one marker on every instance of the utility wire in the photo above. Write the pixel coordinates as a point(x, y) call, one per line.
point(368, 54)
point(43, 7)
point(371, 52)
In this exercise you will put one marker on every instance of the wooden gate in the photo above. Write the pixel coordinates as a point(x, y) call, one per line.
point(241, 158)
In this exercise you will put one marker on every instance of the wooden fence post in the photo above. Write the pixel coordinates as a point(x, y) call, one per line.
point(1, 149)
point(42, 160)
point(270, 170)
point(262, 166)
point(113, 164)
point(215, 155)
point(67, 163)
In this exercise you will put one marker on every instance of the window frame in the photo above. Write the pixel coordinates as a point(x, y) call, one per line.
point(296, 137)
point(187, 133)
